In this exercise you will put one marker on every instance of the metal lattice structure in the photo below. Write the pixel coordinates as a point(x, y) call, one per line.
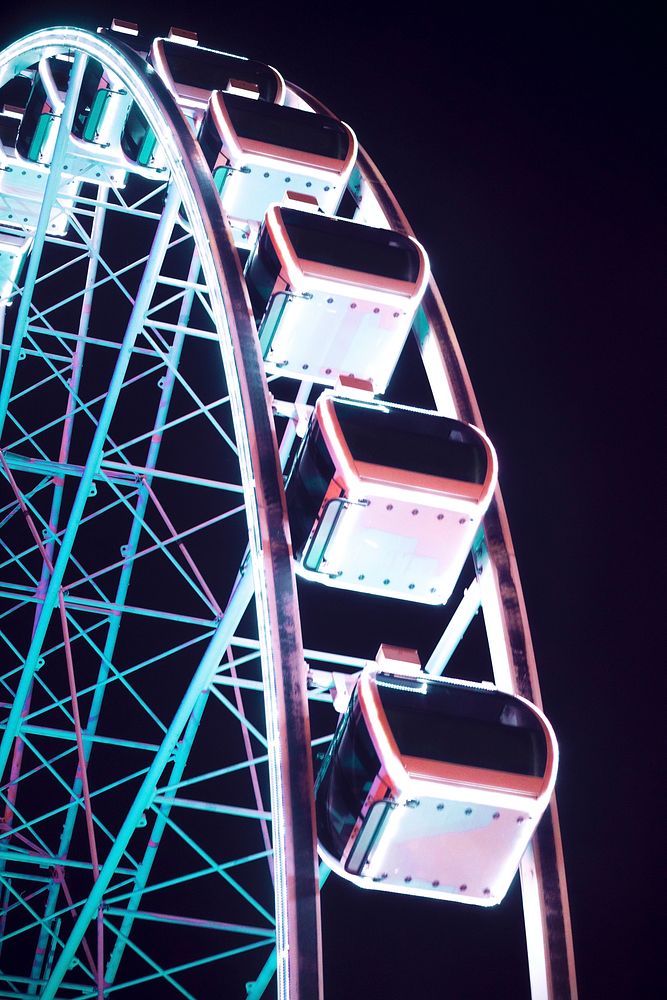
point(158, 827)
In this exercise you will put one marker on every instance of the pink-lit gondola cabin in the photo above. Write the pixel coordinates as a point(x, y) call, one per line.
point(192, 73)
point(333, 297)
point(259, 151)
point(433, 787)
point(387, 499)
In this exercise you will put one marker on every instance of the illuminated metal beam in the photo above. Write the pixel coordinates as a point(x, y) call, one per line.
point(134, 326)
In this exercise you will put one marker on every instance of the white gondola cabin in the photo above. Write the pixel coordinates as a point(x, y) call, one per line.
point(433, 787)
point(95, 153)
point(258, 151)
point(333, 297)
point(192, 73)
point(387, 499)
point(36, 137)
point(35, 103)
point(101, 109)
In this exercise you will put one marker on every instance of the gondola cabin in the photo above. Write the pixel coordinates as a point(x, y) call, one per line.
point(387, 499)
point(101, 110)
point(433, 787)
point(36, 102)
point(37, 132)
point(92, 152)
point(258, 151)
point(333, 297)
point(91, 116)
point(192, 73)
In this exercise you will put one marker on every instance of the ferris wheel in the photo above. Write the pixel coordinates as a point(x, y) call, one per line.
point(194, 309)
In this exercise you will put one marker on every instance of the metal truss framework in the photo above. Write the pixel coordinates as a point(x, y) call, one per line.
point(157, 818)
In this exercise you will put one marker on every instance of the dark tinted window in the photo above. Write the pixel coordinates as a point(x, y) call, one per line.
point(60, 71)
point(209, 70)
point(38, 105)
point(416, 442)
point(89, 85)
point(460, 725)
point(345, 779)
point(35, 108)
point(15, 92)
point(134, 134)
point(309, 480)
point(287, 127)
point(209, 140)
point(261, 272)
point(348, 244)
point(8, 130)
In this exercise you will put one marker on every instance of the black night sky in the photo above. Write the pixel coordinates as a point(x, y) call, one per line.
point(525, 145)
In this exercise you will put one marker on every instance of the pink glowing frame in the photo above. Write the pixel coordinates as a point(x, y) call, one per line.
point(408, 782)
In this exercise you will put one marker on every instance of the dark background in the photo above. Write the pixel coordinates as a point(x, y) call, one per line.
point(525, 147)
